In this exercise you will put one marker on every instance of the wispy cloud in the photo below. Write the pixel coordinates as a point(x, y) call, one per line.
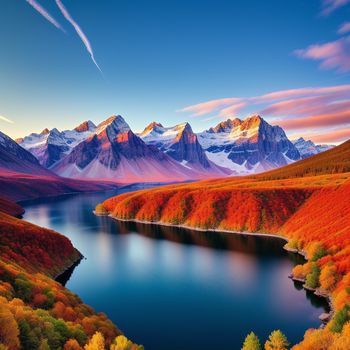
point(317, 121)
point(293, 109)
point(329, 6)
point(237, 104)
point(6, 119)
point(333, 136)
point(332, 55)
point(79, 31)
point(344, 28)
point(44, 13)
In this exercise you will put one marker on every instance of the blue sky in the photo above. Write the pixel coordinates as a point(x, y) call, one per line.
point(158, 57)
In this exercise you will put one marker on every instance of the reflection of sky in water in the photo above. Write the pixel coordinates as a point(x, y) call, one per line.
point(157, 282)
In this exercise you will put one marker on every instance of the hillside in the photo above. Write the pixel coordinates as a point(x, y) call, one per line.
point(307, 202)
point(333, 161)
point(19, 186)
point(10, 208)
point(37, 312)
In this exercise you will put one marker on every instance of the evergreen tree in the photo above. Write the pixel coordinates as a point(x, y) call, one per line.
point(251, 342)
point(277, 341)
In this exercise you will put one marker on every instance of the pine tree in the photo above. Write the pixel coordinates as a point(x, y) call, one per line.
point(251, 342)
point(277, 341)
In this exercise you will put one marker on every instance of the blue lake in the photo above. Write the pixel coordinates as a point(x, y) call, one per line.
point(176, 289)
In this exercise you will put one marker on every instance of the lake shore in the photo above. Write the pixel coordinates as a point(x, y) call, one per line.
point(75, 263)
point(325, 317)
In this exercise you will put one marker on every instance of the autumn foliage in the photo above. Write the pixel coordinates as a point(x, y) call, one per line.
point(307, 202)
point(35, 311)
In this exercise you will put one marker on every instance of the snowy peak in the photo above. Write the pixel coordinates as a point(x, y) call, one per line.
point(250, 145)
point(112, 126)
point(112, 150)
point(45, 131)
point(15, 158)
point(185, 134)
point(152, 127)
point(225, 126)
point(179, 142)
point(307, 148)
point(252, 122)
point(87, 125)
point(156, 133)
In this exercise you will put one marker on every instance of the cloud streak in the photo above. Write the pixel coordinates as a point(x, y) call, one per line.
point(294, 109)
point(344, 28)
point(79, 31)
point(44, 13)
point(329, 6)
point(6, 119)
point(332, 55)
point(335, 136)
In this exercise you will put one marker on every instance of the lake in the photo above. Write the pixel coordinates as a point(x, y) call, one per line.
point(176, 289)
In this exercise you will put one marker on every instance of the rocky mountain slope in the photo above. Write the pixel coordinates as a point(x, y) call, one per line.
point(112, 150)
point(180, 143)
point(307, 148)
point(50, 146)
point(248, 146)
point(15, 158)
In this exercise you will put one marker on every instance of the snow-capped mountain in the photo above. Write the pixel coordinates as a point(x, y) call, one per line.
point(180, 143)
point(248, 146)
point(113, 151)
point(307, 148)
point(15, 158)
point(50, 146)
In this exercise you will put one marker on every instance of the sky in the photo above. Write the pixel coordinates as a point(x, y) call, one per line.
point(66, 61)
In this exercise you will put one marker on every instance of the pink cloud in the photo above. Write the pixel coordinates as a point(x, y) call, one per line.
point(233, 109)
point(344, 28)
point(328, 6)
point(334, 136)
point(283, 102)
point(317, 121)
point(293, 109)
point(307, 106)
point(332, 55)
point(208, 107)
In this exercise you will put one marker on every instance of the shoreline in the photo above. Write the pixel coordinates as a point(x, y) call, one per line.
point(324, 317)
point(75, 263)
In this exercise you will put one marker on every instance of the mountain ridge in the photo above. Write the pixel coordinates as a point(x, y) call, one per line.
point(112, 150)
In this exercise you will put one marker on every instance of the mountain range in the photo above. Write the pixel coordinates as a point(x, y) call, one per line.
point(111, 150)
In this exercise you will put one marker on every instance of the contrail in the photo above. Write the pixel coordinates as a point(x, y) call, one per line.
point(6, 119)
point(79, 31)
point(44, 13)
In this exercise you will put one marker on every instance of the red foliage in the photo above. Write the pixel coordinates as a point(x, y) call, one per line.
point(33, 247)
point(10, 208)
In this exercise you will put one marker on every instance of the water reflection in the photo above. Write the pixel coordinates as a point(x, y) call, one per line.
point(158, 282)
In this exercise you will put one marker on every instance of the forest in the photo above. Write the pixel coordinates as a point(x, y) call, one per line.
point(36, 312)
point(307, 202)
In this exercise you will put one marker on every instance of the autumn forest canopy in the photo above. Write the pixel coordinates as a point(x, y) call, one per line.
point(307, 202)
